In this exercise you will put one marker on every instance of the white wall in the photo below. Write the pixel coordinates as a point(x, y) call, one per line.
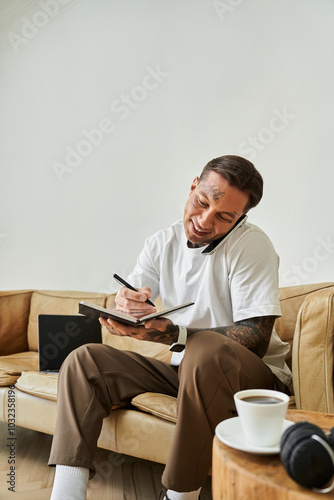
point(225, 71)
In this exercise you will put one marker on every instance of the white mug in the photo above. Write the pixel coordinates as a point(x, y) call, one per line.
point(261, 413)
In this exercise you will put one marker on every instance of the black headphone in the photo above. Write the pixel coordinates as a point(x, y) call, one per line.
point(307, 455)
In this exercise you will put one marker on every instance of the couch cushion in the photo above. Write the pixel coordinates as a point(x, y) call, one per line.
point(42, 385)
point(14, 314)
point(145, 348)
point(12, 365)
point(291, 299)
point(312, 355)
point(161, 405)
point(52, 302)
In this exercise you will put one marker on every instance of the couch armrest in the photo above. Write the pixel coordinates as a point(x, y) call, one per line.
point(312, 353)
point(14, 314)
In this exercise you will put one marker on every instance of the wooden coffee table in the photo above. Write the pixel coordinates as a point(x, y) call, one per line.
point(239, 475)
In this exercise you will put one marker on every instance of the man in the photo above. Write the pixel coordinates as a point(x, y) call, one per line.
point(229, 269)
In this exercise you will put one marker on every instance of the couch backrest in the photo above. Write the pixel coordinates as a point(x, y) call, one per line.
point(312, 354)
point(14, 317)
point(291, 299)
point(56, 302)
point(19, 311)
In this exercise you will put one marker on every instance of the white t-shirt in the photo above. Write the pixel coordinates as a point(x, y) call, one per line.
point(237, 280)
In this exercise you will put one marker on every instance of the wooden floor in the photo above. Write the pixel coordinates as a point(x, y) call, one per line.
point(118, 477)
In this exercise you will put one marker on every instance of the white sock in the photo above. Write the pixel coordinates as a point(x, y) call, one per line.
point(70, 483)
point(186, 495)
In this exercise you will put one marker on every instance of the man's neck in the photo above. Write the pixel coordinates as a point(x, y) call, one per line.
point(196, 245)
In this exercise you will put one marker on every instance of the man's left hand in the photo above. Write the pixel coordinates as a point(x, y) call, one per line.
point(160, 330)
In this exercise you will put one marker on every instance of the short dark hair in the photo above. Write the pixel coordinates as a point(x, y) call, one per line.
point(239, 173)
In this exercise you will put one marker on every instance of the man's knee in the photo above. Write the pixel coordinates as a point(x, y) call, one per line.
point(214, 357)
point(208, 345)
point(80, 353)
point(209, 351)
point(82, 358)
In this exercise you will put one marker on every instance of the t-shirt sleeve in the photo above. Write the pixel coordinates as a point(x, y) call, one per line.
point(253, 274)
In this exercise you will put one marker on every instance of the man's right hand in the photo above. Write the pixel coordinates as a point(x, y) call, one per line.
point(134, 303)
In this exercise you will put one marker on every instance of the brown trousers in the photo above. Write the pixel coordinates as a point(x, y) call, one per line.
point(95, 377)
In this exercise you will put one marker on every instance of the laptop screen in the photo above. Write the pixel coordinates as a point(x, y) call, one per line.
point(58, 335)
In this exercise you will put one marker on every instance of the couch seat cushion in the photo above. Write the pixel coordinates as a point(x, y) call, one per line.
point(42, 385)
point(160, 405)
point(11, 366)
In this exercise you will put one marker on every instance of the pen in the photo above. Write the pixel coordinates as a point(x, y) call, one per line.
point(124, 283)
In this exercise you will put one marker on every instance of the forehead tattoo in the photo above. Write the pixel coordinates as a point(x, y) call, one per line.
point(213, 190)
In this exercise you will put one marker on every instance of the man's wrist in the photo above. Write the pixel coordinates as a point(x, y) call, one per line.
point(179, 345)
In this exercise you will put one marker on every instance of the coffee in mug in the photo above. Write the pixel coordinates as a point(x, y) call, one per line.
point(262, 400)
point(261, 413)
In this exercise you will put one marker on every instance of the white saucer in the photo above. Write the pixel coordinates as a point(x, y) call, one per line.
point(230, 432)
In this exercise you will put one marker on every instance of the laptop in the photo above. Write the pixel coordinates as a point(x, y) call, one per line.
point(58, 335)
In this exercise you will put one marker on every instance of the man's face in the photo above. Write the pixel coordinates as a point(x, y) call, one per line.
point(213, 208)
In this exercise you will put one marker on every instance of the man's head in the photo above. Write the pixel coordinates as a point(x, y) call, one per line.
point(227, 188)
point(239, 173)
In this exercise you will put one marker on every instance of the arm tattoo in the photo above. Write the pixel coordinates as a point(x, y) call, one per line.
point(167, 337)
point(253, 333)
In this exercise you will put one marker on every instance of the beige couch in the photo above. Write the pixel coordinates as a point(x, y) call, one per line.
point(146, 428)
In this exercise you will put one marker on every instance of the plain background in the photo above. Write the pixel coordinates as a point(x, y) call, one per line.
point(171, 84)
